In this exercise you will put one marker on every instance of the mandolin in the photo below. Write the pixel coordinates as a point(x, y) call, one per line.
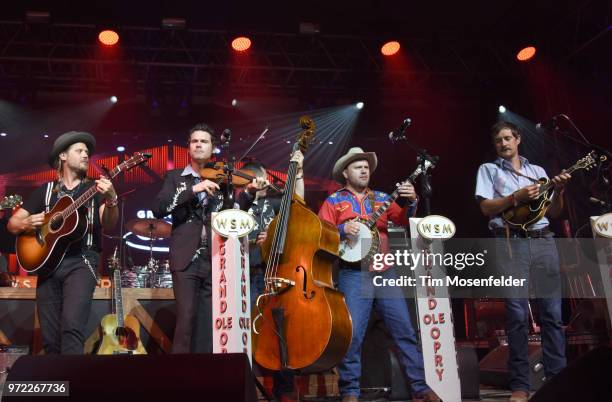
point(528, 213)
point(42, 251)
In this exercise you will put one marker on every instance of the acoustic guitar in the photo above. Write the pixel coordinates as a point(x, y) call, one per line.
point(120, 333)
point(43, 250)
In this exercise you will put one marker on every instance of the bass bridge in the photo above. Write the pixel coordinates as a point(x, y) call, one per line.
point(278, 285)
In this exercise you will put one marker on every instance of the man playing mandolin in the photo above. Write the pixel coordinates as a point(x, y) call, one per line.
point(64, 297)
point(357, 200)
point(509, 182)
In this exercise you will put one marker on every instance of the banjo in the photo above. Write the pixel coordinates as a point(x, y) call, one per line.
point(354, 248)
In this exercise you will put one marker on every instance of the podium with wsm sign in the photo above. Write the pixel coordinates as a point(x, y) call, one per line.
point(434, 311)
point(231, 306)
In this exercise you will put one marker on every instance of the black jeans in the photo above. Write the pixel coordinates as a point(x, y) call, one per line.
point(64, 302)
point(193, 295)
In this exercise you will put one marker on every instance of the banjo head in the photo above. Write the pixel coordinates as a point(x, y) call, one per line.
point(356, 248)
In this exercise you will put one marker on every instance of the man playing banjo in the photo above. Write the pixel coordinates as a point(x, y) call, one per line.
point(357, 200)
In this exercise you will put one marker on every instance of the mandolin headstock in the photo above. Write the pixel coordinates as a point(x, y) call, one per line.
point(590, 160)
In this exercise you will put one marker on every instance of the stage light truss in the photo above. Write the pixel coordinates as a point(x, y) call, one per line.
point(67, 57)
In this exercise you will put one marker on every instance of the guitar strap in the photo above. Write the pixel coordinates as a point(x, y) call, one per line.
point(371, 197)
point(506, 166)
point(48, 196)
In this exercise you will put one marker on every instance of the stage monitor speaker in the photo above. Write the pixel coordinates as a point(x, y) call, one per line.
point(585, 379)
point(151, 378)
point(494, 367)
point(8, 356)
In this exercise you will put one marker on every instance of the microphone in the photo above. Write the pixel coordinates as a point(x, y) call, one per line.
point(225, 138)
point(398, 134)
point(550, 124)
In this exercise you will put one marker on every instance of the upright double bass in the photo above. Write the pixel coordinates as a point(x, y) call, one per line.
point(301, 323)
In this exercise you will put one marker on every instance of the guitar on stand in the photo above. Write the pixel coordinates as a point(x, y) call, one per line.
point(120, 333)
point(367, 243)
point(43, 250)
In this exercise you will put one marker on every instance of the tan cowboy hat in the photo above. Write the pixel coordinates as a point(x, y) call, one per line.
point(353, 154)
point(64, 141)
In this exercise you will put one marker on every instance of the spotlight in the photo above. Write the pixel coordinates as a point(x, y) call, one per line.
point(114, 99)
point(359, 105)
point(120, 148)
point(288, 142)
point(216, 151)
point(526, 53)
point(241, 43)
point(46, 135)
point(108, 37)
point(234, 102)
point(3, 134)
point(502, 109)
point(169, 139)
point(390, 48)
point(331, 143)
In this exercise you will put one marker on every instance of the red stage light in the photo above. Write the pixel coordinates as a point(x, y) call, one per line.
point(108, 37)
point(390, 48)
point(526, 53)
point(241, 44)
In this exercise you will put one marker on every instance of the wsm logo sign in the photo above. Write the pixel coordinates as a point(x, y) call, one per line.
point(436, 227)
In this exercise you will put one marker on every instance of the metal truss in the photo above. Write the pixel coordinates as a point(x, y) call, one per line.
point(67, 57)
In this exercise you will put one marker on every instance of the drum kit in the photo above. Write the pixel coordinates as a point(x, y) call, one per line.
point(156, 274)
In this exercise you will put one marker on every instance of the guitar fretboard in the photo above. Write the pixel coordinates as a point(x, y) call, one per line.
point(118, 297)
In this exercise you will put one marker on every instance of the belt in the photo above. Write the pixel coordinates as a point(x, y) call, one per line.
point(529, 234)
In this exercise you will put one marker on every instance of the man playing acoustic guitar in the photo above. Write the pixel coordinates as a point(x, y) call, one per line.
point(509, 182)
point(64, 296)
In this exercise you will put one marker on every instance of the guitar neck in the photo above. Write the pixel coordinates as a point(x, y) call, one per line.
point(383, 208)
point(87, 195)
point(118, 297)
point(550, 184)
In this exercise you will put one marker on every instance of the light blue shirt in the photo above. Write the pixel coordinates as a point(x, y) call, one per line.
point(496, 180)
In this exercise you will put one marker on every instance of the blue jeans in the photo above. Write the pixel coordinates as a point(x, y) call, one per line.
point(538, 260)
point(361, 295)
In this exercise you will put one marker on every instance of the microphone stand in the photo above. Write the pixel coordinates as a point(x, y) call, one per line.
point(122, 197)
point(426, 189)
point(602, 179)
point(422, 157)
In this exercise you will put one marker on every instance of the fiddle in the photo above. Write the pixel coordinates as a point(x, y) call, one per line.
point(218, 172)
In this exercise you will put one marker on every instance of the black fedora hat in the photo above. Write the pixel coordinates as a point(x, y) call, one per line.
point(64, 141)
